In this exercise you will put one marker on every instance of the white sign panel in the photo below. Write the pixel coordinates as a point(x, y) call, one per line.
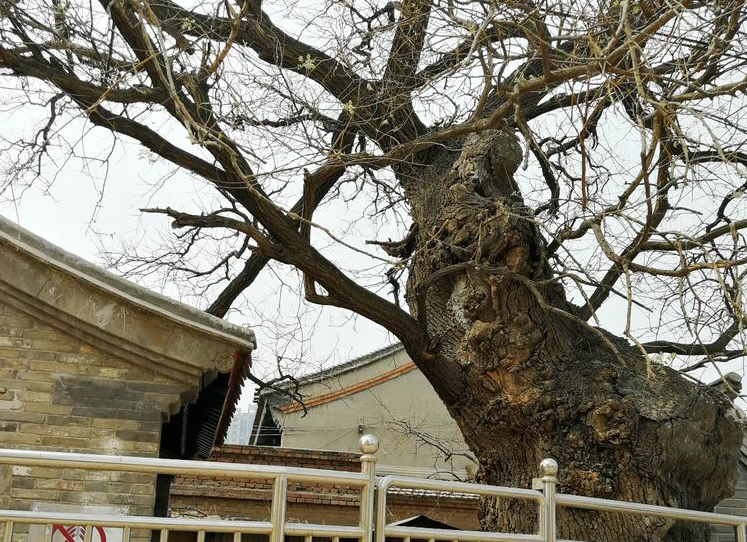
point(77, 533)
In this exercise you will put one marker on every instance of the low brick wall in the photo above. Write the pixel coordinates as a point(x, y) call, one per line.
point(241, 498)
point(290, 457)
point(315, 503)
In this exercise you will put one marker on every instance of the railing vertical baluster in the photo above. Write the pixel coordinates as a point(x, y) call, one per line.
point(742, 533)
point(87, 533)
point(369, 445)
point(279, 500)
point(380, 520)
point(200, 536)
point(8, 535)
point(237, 537)
point(126, 534)
point(548, 470)
point(164, 535)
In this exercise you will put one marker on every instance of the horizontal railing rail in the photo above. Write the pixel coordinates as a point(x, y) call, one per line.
point(372, 524)
point(151, 465)
point(177, 524)
point(654, 511)
point(138, 522)
point(385, 530)
point(649, 510)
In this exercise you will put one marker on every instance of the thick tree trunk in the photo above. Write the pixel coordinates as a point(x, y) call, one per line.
point(539, 382)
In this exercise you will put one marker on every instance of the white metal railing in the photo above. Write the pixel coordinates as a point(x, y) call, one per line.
point(447, 535)
point(372, 525)
point(276, 529)
point(547, 501)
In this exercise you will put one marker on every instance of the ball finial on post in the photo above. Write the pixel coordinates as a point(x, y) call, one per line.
point(369, 444)
point(548, 526)
point(549, 467)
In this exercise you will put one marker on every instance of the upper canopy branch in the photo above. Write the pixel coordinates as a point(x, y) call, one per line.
point(716, 347)
point(271, 44)
point(88, 98)
point(407, 46)
point(25, 66)
point(215, 220)
point(690, 243)
point(495, 31)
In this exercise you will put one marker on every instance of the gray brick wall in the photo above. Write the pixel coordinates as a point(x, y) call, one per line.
point(60, 394)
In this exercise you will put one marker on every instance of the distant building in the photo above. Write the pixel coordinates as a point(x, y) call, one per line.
point(241, 426)
point(381, 393)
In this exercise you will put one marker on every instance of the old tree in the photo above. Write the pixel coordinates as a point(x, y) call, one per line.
point(549, 156)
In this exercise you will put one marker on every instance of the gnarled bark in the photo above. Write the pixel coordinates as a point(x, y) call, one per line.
point(539, 381)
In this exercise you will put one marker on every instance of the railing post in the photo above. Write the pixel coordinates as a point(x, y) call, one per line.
point(548, 470)
point(369, 445)
point(279, 502)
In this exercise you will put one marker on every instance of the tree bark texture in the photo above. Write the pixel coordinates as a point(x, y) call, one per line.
point(536, 380)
